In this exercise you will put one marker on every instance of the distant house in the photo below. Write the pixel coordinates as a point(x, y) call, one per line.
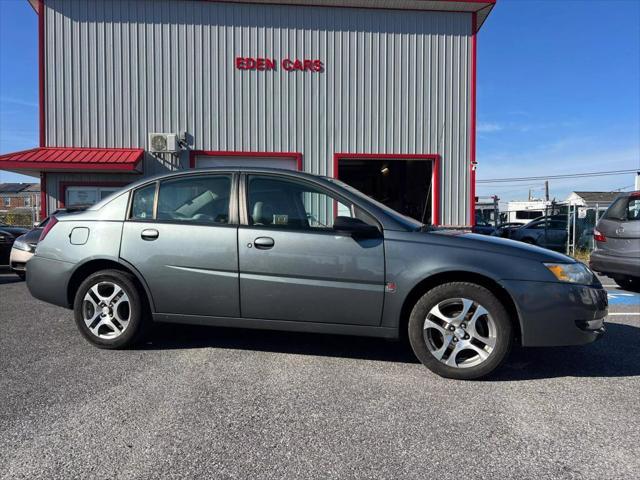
point(20, 196)
point(592, 199)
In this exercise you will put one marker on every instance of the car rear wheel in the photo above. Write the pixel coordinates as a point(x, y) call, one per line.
point(629, 283)
point(108, 309)
point(460, 330)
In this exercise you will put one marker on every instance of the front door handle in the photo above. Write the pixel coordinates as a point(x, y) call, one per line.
point(149, 234)
point(264, 243)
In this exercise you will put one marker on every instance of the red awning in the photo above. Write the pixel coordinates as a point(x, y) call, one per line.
point(64, 158)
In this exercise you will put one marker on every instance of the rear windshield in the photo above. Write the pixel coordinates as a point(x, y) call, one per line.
point(625, 209)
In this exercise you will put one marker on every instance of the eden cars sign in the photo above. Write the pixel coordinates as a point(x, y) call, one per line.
point(290, 65)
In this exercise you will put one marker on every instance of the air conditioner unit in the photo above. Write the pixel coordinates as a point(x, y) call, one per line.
point(163, 142)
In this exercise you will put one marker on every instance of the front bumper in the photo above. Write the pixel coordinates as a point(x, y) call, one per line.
point(614, 265)
point(558, 314)
point(47, 280)
point(18, 259)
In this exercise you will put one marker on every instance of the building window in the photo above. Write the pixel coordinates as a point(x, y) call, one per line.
point(86, 195)
point(7, 202)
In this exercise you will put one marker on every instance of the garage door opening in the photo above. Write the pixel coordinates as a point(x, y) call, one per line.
point(402, 183)
point(284, 160)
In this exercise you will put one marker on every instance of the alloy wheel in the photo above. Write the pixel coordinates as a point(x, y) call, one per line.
point(106, 310)
point(460, 333)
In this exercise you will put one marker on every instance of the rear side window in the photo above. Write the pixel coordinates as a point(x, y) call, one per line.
point(142, 204)
point(197, 199)
point(633, 209)
point(289, 204)
point(624, 209)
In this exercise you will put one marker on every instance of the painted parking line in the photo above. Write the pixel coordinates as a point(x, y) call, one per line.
point(620, 314)
point(621, 297)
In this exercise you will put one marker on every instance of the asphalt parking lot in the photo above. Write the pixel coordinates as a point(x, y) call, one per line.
point(224, 403)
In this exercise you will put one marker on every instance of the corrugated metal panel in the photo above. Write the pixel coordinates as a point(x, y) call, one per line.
point(394, 82)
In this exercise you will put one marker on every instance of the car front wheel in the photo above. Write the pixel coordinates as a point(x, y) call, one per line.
point(108, 309)
point(460, 330)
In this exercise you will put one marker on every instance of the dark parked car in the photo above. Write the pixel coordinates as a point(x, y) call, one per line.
point(546, 232)
point(504, 230)
point(25, 246)
point(617, 238)
point(8, 235)
point(483, 227)
point(275, 249)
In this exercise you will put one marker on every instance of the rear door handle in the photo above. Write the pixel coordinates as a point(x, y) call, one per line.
point(264, 243)
point(149, 234)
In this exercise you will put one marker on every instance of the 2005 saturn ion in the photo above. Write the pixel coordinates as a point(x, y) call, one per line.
point(273, 249)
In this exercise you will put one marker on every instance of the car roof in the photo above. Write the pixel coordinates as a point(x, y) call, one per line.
point(192, 171)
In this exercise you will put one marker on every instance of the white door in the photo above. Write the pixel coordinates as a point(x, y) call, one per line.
point(206, 161)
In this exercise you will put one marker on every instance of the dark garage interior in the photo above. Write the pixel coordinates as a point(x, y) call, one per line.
point(404, 185)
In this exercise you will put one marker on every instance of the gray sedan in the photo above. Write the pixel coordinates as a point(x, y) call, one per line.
point(273, 249)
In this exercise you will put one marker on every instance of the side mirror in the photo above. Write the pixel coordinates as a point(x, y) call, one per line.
point(355, 227)
point(36, 224)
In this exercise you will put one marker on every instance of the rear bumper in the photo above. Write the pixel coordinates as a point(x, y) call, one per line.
point(557, 314)
point(18, 259)
point(611, 264)
point(47, 280)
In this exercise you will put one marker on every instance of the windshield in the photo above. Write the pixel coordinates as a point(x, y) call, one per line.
point(408, 222)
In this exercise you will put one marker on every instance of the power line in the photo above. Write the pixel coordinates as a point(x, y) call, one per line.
point(552, 177)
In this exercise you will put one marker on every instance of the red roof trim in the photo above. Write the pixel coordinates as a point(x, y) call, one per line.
point(62, 158)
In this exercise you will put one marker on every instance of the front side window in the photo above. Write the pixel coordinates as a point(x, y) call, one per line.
point(289, 204)
point(196, 199)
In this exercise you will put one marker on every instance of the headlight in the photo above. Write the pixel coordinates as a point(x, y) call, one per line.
point(571, 272)
point(21, 245)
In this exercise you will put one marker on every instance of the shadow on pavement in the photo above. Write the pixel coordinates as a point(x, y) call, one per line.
point(168, 336)
point(7, 276)
point(616, 355)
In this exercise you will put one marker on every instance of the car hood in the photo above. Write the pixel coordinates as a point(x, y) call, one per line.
point(495, 245)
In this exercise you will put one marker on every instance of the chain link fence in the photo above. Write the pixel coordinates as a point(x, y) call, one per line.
point(557, 226)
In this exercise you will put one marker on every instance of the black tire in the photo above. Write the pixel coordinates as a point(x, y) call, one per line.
point(136, 309)
point(481, 296)
point(628, 283)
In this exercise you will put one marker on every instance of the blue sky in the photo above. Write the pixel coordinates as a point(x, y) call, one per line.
point(558, 91)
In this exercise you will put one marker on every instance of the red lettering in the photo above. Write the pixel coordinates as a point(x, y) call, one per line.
point(286, 64)
point(240, 63)
point(260, 64)
point(308, 65)
point(318, 66)
point(297, 65)
point(250, 63)
point(270, 64)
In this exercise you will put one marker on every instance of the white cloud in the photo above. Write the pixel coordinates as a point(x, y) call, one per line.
point(18, 101)
point(486, 127)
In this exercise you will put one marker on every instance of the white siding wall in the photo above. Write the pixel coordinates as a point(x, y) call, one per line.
point(394, 82)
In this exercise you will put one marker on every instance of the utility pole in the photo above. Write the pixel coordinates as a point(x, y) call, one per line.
point(546, 190)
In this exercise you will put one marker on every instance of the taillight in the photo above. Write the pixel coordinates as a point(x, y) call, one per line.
point(598, 237)
point(50, 224)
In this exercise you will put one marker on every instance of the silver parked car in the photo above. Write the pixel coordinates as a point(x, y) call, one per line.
point(617, 241)
point(274, 249)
